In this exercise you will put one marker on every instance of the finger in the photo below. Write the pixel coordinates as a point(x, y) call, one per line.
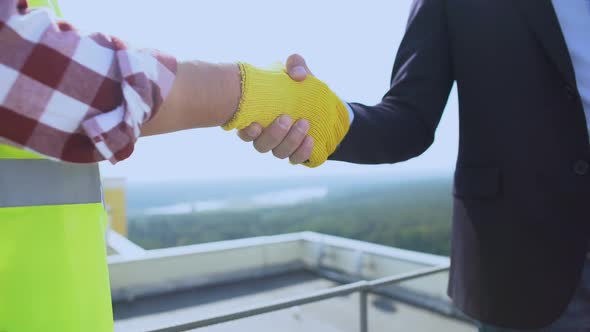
point(303, 153)
point(273, 135)
point(250, 133)
point(297, 68)
point(292, 141)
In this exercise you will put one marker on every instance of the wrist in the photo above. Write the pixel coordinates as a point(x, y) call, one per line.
point(261, 91)
point(233, 78)
point(203, 95)
point(208, 94)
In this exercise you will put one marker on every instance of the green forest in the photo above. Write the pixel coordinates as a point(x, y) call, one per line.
point(412, 214)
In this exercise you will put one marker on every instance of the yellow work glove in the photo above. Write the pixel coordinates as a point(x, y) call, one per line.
point(268, 94)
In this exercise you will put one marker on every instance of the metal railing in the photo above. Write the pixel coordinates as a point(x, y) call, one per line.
point(364, 287)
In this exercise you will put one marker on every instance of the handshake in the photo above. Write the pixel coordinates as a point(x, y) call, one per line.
point(290, 112)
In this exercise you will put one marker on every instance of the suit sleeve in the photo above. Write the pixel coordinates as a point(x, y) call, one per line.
point(403, 124)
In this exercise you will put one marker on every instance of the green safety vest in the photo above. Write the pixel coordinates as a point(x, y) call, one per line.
point(53, 268)
point(51, 4)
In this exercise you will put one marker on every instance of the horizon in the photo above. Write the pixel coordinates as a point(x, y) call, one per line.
point(396, 175)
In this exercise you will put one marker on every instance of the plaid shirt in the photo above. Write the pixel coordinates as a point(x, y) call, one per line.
point(72, 97)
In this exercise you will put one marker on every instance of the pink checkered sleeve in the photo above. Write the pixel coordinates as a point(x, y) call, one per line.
point(72, 97)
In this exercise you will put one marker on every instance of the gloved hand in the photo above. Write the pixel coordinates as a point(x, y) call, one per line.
point(267, 94)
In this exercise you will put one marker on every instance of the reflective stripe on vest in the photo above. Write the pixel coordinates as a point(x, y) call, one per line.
point(45, 182)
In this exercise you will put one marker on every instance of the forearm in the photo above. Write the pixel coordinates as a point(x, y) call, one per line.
point(393, 132)
point(403, 124)
point(203, 95)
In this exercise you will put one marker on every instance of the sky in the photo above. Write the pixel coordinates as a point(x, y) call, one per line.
point(350, 45)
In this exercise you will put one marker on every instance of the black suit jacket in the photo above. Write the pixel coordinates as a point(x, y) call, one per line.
point(522, 186)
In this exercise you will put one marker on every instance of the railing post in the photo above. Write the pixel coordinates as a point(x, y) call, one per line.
point(364, 311)
point(363, 287)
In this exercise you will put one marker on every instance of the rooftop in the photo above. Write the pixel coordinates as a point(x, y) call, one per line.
point(165, 289)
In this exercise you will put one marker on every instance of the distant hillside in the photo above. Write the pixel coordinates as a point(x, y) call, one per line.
point(411, 214)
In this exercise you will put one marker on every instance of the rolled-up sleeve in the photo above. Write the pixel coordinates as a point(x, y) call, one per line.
point(74, 97)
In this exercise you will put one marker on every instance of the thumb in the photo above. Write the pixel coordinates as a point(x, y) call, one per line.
point(297, 68)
